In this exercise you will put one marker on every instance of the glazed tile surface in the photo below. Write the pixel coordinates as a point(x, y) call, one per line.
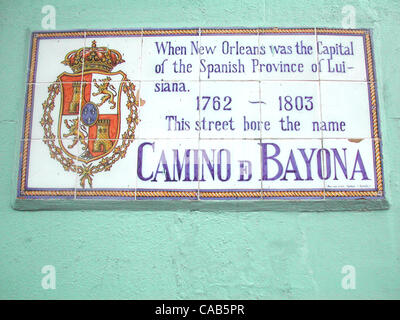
point(201, 114)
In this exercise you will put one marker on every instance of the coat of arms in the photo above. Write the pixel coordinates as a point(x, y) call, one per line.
point(90, 118)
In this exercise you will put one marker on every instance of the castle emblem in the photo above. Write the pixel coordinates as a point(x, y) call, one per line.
point(90, 116)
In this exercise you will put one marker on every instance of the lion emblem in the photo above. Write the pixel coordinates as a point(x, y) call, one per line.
point(108, 90)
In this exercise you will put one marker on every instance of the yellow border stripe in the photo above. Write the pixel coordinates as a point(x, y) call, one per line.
point(105, 193)
point(171, 32)
point(229, 31)
point(285, 30)
point(60, 34)
point(114, 33)
point(341, 31)
point(167, 194)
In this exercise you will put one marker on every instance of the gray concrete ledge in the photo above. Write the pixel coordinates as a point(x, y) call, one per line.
point(204, 205)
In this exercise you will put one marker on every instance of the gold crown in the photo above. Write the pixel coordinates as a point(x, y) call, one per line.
point(93, 58)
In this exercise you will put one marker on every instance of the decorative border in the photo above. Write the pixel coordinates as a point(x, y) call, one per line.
point(24, 193)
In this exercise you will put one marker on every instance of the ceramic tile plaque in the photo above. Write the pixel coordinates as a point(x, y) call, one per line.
point(201, 114)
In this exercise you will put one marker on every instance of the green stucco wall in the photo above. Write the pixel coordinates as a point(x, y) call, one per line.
point(192, 254)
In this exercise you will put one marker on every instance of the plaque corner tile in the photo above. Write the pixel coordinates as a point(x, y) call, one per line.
point(46, 171)
point(56, 51)
point(354, 167)
point(343, 55)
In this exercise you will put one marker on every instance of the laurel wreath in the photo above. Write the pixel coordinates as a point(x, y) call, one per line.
point(86, 172)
